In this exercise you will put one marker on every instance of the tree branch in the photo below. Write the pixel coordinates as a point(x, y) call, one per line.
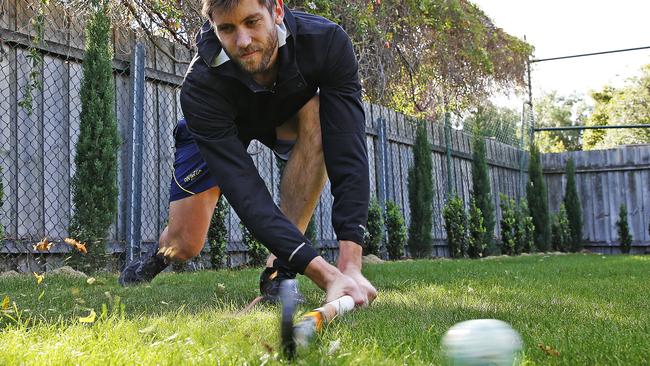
point(150, 35)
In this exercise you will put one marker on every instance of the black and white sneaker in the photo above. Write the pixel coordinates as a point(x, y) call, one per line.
point(142, 270)
point(270, 281)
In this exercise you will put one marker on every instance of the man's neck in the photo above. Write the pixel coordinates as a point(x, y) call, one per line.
point(267, 78)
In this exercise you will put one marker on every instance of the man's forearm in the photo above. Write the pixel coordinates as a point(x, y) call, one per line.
point(350, 254)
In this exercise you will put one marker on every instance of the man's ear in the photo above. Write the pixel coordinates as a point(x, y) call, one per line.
point(278, 12)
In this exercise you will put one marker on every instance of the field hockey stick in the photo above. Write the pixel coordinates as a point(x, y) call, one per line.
point(304, 331)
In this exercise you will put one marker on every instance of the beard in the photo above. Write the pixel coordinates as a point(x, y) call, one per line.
point(259, 62)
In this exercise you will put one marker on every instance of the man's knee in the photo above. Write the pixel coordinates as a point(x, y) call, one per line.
point(180, 248)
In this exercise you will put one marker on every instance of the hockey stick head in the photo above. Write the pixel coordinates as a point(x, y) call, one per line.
point(289, 304)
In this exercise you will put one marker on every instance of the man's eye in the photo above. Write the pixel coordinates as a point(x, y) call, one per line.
point(225, 29)
point(252, 22)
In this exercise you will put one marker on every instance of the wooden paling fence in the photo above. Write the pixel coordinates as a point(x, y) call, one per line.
point(37, 149)
point(605, 179)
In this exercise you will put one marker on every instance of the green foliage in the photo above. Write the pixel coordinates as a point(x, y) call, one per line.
point(573, 207)
point(508, 225)
point(420, 189)
point(481, 191)
point(525, 232)
point(375, 229)
point(2, 228)
point(257, 252)
point(35, 58)
point(625, 105)
point(94, 183)
point(476, 244)
point(623, 229)
point(553, 110)
point(517, 227)
point(561, 231)
point(599, 117)
point(537, 201)
point(218, 234)
point(412, 54)
point(456, 227)
point(396, 231)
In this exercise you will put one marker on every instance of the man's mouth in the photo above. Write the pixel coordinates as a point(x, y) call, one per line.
point(248, 54)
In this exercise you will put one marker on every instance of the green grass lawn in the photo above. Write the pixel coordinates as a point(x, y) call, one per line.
point(593, 310)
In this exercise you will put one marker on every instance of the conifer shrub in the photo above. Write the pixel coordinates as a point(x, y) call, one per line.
point(537, 201)
point(508, 225)
point(420, 189)
point(2, 229)
point(481, 191)
point(573, 209)
point(623, 229)
point(257, 252)
point(456, 227)
point(561, 231)
point(94, 185)
point(396, 229)
point(218, 234)
point(476, 243)
point(525, 230)
point(375, 234)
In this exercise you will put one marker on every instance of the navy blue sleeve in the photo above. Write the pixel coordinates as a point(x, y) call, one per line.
point(344, 139)
point(210, 118)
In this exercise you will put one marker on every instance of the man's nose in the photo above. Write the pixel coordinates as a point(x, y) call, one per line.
point(243, 39)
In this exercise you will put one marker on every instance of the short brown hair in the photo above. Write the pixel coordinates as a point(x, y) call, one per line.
point(209, 6)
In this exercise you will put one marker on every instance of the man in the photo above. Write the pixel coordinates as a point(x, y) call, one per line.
point(289, 80)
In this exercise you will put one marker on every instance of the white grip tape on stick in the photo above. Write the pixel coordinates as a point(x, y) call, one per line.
point(337, 307)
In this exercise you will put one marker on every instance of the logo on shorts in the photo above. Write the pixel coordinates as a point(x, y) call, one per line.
point(192, 175)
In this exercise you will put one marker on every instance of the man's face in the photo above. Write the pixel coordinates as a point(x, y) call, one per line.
point(248, 34)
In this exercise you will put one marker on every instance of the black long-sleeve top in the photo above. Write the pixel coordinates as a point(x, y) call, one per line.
point(221, 103)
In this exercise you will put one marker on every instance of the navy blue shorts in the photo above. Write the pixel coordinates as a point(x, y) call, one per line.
point(191, 175)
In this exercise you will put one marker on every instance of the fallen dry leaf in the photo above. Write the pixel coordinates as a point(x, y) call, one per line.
point(90, 318)
point(548, 350)
point(43, 245)
point(39, 278)
point(81, 247)
point(147, 330)
point(333, 347)
point(268, 347)
point(5, 303)
point(90, 280)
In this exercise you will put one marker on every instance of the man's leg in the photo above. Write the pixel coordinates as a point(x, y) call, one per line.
point(187, 228)
point(304, 176)
point(182, 239)
point(303, 180)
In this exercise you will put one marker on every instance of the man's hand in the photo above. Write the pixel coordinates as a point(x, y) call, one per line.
point(335, 283)
point(364, 285)
point(350, 265)
point(345, 285)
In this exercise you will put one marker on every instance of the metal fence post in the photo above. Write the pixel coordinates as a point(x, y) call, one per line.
point(381, 164)
point(522, 182)
point(134, 146)
point(450, 189)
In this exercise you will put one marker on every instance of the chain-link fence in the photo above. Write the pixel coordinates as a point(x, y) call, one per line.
point(41, 57)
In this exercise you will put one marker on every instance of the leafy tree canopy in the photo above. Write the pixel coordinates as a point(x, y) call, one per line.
point(553, 110)
point(627, 105)
point(415, 55)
